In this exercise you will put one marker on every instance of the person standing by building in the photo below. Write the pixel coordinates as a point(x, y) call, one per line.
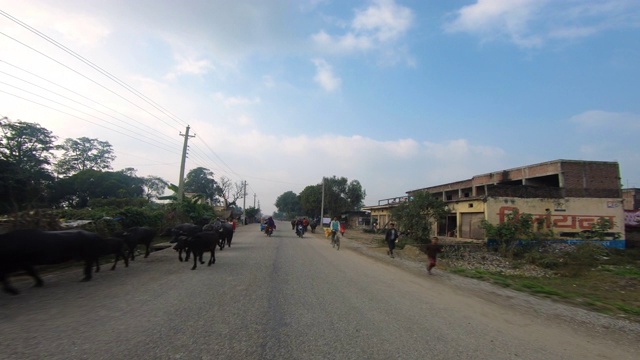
point(432, 251)
point(390, 237)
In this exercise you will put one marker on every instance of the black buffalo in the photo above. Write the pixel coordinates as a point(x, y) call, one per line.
point(27, 248)
point(138, 235)
point(200, 243)
point(181, 234)
point(116, 247)
point(225, 231)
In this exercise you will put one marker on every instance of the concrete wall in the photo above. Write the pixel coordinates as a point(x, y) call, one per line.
point(565, 217)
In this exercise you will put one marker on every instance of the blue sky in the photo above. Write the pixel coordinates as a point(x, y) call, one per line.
point(398, 95)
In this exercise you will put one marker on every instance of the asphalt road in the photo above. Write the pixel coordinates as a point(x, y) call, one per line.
point(279, 298)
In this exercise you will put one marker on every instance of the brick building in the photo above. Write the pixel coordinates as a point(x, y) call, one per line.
point(567, 196)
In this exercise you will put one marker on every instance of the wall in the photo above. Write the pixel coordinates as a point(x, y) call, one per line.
point(565, 217)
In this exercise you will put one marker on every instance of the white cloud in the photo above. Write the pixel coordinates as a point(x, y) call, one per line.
point(533, 23)
point(233, 101)
point(598, 119)
point(325, 76)
point(189, 66)
point(82, 29)
point(496, 18)
point(378, 26)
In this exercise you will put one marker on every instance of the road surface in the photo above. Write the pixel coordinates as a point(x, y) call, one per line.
point(285, 298)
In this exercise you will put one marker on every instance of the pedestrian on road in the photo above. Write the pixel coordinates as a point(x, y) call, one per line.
point(390, 237)
point(342, 229)
point(432, 251)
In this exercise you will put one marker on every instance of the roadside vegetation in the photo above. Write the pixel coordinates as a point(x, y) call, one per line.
point(587, 274)
point(523, 256)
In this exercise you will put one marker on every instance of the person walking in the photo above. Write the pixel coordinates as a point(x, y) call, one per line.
point(432, 251)
point(390, 237)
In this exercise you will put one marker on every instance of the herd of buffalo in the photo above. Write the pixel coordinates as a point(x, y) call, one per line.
point(23, 250)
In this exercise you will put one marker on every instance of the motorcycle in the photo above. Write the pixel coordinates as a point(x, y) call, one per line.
point(300, 230)
point(268, 230)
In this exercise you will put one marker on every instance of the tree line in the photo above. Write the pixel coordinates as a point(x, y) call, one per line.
point(36, 172)
point(340, 196)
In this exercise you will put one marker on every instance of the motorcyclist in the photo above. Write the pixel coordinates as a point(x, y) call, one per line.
point(270, 224)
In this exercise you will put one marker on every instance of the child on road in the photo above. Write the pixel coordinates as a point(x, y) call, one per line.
point(432, 251)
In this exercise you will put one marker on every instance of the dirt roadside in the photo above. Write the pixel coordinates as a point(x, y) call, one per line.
point(414, 261)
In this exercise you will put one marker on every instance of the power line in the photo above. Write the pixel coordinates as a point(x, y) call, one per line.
point(71, 91)
point(89, 121)
point(86, 77)
point(70, 99)
point(92, 65)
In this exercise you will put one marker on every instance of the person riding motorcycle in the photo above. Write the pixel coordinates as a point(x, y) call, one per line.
point(270, 225)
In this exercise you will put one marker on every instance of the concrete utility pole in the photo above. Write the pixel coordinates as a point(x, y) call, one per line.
point(244, 202)
point(254, 200)
point(322, 204)
point(185, 147)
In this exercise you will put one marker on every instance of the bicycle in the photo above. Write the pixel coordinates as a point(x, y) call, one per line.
point(335, 240)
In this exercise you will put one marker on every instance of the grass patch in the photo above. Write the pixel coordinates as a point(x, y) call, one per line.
point(605, 288)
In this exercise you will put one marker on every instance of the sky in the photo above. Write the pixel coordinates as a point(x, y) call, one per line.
point(396, 94)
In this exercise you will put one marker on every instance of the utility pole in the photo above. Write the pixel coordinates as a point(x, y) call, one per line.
point(182, 163)
point(244, 202)
point(322, 205)
point(254, 200)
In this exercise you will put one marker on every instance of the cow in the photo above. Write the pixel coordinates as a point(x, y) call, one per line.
point(181, 233)
point(26, 248)
point(133, 236)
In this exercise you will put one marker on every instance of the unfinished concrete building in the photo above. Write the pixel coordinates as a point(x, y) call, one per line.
point(567, 195)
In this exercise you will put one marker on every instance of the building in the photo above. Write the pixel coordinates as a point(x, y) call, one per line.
point(566, 196)
point(381, 213)
point(631, 199)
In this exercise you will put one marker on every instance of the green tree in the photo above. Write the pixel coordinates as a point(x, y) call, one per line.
point(288, 204)
point(201, 181)
point(355, 195)
point(310, 200)
point(83, 154)
point(252, 214)
point(417, 215)
point(26, 149)
point(77, 189)
point(340, 195)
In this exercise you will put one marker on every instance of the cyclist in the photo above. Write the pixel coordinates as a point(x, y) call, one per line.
point(335, 227)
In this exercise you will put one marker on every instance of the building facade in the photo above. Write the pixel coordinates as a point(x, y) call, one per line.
point(565, 196)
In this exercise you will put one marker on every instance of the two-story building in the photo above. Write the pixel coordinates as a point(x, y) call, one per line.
point(567, 196)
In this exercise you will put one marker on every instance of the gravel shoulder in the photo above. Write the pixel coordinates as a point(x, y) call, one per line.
point(574, 318)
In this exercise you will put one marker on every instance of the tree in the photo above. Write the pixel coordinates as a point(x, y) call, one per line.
point(155, 187)
point(355, 195)
point(417, 215)
point(230, 192)
point(26, 149)
point(310, 200)
point(252, 213)
point(288, 204)
point(340, 195)
point(200, 181)
point(84, 154)
point(77, 189)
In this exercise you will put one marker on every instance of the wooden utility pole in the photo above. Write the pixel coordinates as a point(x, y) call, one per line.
point(185, 147)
